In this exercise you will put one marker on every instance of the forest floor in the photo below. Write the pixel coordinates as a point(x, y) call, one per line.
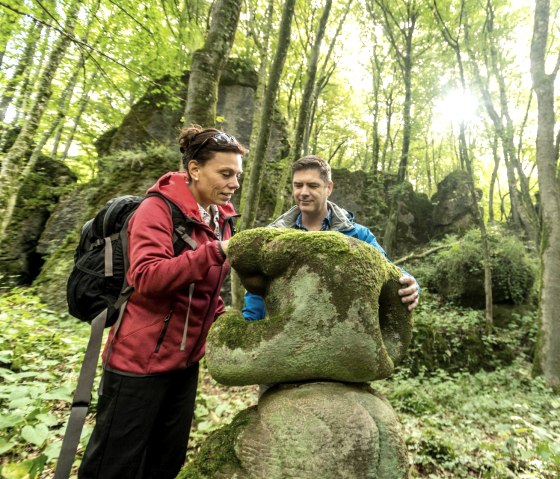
point(499, 424)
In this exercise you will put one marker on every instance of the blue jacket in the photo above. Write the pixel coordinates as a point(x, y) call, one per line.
point(338, 219)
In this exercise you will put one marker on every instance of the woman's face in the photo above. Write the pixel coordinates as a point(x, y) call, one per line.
point(215, 181)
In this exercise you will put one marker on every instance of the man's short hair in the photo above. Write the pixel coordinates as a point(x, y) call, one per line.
point(313, 162)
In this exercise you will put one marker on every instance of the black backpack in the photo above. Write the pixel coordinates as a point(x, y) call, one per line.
point(98, 279)
point(97, 292)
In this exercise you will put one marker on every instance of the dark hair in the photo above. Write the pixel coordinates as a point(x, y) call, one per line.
point(200, 144)
point(313, 162)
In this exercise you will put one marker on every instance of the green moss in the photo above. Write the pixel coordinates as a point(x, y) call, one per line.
point(217, 455)
point(233, 331)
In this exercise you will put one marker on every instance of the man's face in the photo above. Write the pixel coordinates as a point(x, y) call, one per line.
point(311, 192)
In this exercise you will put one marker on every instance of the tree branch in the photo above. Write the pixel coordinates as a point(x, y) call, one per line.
point(420, 255)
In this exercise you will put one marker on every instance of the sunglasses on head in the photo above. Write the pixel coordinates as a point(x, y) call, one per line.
point(219, 138)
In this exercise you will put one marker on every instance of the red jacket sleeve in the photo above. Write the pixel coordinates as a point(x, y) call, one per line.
point(153, 267)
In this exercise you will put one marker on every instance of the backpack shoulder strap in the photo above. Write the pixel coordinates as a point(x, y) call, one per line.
point(182, 226)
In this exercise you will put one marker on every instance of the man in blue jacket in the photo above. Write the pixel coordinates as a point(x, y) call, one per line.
point(312, 186)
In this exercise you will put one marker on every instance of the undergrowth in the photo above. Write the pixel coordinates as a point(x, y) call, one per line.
point(499, 424)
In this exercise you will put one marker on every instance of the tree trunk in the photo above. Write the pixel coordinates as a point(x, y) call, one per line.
point(237, 289)
point(208, 63)
point(493, 180)
point(305, 105)
point(252, 198)
point(547, 358)
point(23, 63)
point(453, 42)
point(400, 33)
point(15, 157)
point(82, 105)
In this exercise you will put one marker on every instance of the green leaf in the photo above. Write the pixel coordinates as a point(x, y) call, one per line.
point(11, 420)
point(28, 469)
point(20, 403)
point(52, 450)
point(63, 393)
point(6, 356)
point(48, 419)
point(35, 434)
point(15, 470)
point(6, 445)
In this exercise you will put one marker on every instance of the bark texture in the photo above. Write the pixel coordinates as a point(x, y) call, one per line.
point(208, 63)
point(252, 198)
point(547, 358)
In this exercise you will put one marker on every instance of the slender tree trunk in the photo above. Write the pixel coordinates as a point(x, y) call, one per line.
point(464, 155)
point(82, 105)
point(22, 65)
point(208, 62)
point(493, 180)
point(400, 33)
point(252, 199)
point(16, 156)
point(305, 105)
point(322, 82)
point(237, 289)
point(523, 212)
point(258, 103)
point(547, 359)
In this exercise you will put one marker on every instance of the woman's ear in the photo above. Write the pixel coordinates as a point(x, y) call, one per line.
point(193, 168)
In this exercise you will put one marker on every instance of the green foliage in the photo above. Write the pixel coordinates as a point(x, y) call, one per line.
point(457, 273)
point(497, 425)
point(39, 355)
point(455, 339)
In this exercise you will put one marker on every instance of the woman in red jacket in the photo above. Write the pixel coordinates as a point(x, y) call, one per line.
point(146, 403)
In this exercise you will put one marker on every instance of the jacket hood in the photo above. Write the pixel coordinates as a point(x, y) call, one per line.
point(173, 186)
point(341, 220)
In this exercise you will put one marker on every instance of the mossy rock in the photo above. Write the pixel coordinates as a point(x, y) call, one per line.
point(333, 311)
point(457, 272)
point(307, 431)
point(20, 262)
point(126, 172)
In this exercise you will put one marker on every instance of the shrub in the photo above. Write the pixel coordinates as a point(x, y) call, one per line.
point(457, 273)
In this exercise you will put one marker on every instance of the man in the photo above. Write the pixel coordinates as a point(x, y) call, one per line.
point(312, 186)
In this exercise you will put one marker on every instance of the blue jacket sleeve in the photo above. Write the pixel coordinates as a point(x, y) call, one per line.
point(254, 308)
point(364, 234)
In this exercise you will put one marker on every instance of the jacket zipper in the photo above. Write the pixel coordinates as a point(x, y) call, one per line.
point(186, 326)
point(164, 330)
point(227, 220)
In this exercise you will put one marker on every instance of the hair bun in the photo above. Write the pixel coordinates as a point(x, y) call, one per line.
point(187, 135)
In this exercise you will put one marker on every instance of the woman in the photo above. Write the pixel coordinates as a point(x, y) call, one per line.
point(146, 403)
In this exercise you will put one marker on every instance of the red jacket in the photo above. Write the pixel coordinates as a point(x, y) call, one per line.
point(170, 292)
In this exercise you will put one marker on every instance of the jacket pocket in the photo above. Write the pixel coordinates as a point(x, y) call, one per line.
point(164, 330)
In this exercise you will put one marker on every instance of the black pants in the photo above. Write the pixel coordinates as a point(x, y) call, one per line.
point(142, 426)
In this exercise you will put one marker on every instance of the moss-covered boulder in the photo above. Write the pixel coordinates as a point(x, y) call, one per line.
point(333, 311)
point(456, 272)
point(20, 259)
point(307, 431)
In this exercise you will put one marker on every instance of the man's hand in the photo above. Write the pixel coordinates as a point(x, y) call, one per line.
point(409, 294)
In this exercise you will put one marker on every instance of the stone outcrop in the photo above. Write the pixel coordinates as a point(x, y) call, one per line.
point(132, 157)
point(334, 322)
point(20, 257)
point(453, 205)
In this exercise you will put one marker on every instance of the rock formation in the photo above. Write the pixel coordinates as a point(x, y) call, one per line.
point(334, 323)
